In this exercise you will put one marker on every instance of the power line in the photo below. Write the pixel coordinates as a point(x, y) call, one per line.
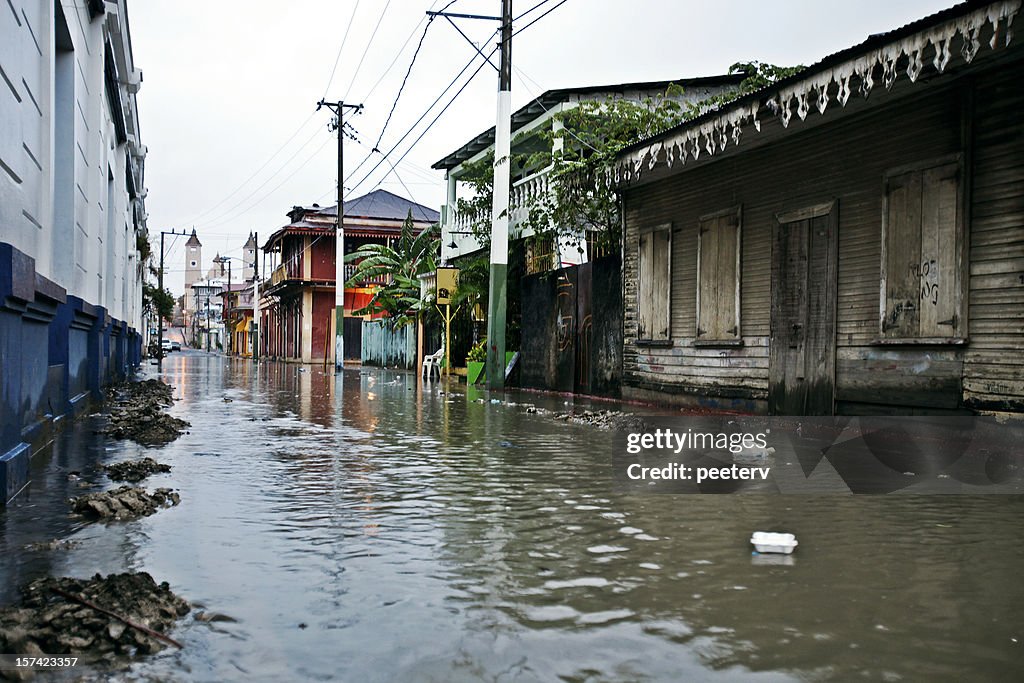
point(255, 173)
point(426, 112)
point(218, 217)
point(540, 4)
point(344, 39)
point(429, 125)
point(454, 97)
point(380, 19)
point(405, 79)
point(401, 87)
point(523, 28)
point(270, 192)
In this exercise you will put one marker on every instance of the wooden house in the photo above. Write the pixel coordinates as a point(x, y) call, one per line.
point(297, 303)
point(848, 240)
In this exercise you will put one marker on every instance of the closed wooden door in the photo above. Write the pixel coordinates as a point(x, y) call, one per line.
point(802, 347)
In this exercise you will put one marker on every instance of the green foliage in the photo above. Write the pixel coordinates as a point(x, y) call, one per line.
point(478, 353)
point(412, 255)
point(758, 75)
point(474, 279)
point(156, 302)
point(479, 175)
point(593, 133)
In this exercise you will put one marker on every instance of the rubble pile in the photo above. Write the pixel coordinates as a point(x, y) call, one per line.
point(135, 470)
point(126, 502)
point(137, 413)
point(48, 621)
point(602, 419)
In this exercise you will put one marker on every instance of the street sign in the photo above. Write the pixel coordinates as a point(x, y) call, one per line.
point(447, 281)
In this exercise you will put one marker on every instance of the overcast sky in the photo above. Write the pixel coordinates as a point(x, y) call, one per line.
point(230, 87)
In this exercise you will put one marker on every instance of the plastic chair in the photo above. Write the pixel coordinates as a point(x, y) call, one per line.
point(432, 363)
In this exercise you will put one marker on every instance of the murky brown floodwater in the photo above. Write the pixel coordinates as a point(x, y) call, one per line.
point(382, 532)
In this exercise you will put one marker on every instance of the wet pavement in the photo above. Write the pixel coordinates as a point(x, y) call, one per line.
point(382, 531)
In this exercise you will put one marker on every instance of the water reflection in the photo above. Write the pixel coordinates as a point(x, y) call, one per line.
point(376, 527)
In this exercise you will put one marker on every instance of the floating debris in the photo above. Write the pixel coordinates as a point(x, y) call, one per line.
point(769, 542)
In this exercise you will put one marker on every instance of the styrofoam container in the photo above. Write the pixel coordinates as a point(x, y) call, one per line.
point(769, 542)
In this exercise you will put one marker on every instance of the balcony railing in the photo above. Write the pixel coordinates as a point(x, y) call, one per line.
point(350, 270)
point(524, 194)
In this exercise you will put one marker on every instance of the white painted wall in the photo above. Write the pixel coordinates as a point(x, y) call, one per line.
point(64, 196)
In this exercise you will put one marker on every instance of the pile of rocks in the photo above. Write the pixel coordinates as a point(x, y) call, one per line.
point(126, 502)
point(48, 621)
point(135, 470)
point(137, 413)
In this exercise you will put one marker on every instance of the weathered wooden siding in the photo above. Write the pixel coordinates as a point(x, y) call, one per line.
point(994, 360)
point(844, 161)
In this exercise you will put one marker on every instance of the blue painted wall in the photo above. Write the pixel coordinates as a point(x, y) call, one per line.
point(56, 355)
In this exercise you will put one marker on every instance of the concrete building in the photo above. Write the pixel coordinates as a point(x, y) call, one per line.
point(73, 240)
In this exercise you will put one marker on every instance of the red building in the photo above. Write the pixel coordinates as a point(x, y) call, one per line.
point(297, 302)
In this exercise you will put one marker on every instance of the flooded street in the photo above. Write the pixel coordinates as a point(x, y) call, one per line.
point(380, 531)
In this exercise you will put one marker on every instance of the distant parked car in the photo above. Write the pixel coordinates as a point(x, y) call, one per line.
point(175, 346)
point(165, 344)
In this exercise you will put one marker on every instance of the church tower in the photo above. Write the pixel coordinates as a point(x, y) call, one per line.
point(249, 256)
point(193, 261)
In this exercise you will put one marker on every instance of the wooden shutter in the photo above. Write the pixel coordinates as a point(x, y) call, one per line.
point(662, 247)
point(921, 280)
point(718, 277)
point(653, 294)
point(940, 246)
point(645, 288)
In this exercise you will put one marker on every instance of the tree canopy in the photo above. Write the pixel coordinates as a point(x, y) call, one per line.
point(400, 263)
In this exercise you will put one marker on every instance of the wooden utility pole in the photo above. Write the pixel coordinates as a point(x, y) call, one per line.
point(339, 248)
point(498, 291)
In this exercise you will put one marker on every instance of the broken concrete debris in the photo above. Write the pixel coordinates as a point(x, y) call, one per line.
point(137, 413)
point(135, 470)
point(103, 618)
point(122, 503)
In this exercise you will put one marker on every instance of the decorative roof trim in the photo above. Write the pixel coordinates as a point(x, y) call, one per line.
point(711, 133)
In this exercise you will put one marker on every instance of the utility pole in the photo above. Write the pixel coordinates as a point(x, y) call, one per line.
point(339, 247)
point(498, 291)
point(160, 287)
point(207, 318)
point(255, 331)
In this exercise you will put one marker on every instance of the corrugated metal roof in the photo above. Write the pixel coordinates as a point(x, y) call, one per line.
point(384, 205)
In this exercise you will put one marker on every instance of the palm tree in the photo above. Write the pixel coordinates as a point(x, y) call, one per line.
point(400, 264)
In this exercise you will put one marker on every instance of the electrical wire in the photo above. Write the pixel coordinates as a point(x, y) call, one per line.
point(344, 39)
point(218, 218)
point(254, 174)
point(426, 112)
point(523, 28)
point(270, 192)
point(435, 119)
point(359, 66)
